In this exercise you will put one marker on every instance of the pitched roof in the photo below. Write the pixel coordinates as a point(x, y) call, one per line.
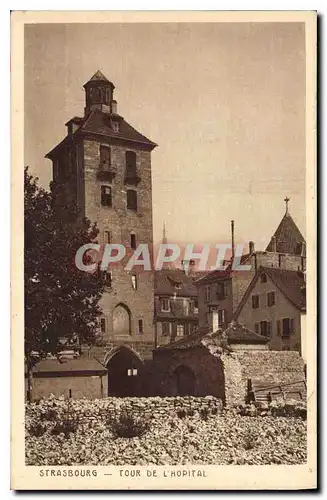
point(99, 77)
point(234, 334)
point(220, 274)
point(288, 237)
point(69, 365)
point(98, 123)
point(290, 283)
point(174, 281)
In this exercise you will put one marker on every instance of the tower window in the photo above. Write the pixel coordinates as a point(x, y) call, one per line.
point(130, 163)
point(107, 237)
point(103, 325)
point(140, 326)
point(134, 281)
point(105, 155)
point(108, 278)
point(106, 199)
point(133, 241)
point(131, 199)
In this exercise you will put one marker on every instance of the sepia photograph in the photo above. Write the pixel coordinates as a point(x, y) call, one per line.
point(167, 248)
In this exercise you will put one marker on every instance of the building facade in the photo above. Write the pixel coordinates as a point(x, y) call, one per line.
point(273, 306)
point(176, 305)
point(223, 290)
point(104, 165)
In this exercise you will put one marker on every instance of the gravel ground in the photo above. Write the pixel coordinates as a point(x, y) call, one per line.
point(226, 438)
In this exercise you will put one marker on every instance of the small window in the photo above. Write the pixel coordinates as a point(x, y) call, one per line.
point(180, 330)
point(130, 163)
point(263, 278)
point(221, 291)
point(134, 281)
point(103, 325)
point(105, 155)
point(165, 305)
point(165, 329)
point(255, 302)
point(207, 293)
point(115, 126)
point(287, 327)
point(271, 299)
point(106, 200)
point(140, 326)
point(195, 306)
point(132, 372)
point(131, 199)
point(133, 241)
point(265, 328)
point(107, 237)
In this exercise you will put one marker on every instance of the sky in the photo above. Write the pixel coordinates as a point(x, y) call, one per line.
point(225, 102)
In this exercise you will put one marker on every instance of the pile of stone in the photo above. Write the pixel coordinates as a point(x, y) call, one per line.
point(181, 431)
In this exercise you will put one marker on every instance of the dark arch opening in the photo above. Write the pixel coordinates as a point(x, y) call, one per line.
point(124, 369)
point(184, 381)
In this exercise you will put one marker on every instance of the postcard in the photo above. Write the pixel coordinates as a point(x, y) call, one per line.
point(164, 250)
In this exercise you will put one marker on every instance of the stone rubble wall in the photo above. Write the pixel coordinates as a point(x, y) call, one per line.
point(273, 367)
point(157, 407)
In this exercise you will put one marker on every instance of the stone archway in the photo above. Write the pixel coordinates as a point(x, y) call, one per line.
point(184, 381)
point(122, 320)
point(124, 366)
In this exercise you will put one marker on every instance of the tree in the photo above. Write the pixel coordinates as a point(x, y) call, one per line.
point(61, 301)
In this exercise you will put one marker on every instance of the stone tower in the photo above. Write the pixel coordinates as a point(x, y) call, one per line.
point(106, 168)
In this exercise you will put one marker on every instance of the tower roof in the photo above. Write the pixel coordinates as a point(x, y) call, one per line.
point(98, 77)
point(287, 237)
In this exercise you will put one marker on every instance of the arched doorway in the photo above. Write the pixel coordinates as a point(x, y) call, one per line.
point(122, 320)
point(184, 381)
point(124, 368)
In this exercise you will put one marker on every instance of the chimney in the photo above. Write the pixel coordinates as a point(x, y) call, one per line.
point(233, 242)
point(273, 244)
point(114, 107)
point(251, 247)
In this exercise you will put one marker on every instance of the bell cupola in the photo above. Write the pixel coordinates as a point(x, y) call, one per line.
point(99, 93)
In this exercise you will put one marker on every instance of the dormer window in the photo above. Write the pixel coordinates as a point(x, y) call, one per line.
point(115, 126)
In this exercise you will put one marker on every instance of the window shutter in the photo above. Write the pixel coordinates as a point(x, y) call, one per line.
point(278, 328)
point(292, 325)
point(269, 328)
point(256, 327)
